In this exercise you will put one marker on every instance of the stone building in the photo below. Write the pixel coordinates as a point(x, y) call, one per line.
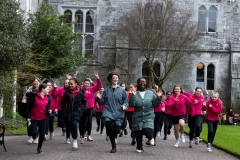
point(216, 66)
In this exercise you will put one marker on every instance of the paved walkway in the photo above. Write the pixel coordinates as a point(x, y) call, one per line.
point(56, 149)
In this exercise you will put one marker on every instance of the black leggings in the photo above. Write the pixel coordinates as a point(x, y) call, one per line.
point(124, 124)
point(49, 124)
point(158, 121)
point(167, 119)
point(86, 122)
point(194, 124)
point(99, 119)
point(212, 128)
point(148, 132)
point(129, 118)
point(38, 126)
point(113, 130)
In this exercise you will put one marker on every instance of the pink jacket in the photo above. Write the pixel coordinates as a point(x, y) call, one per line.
point(213, 109)
point(89, 93)
point(179, 107)
point(59, 93)
point(168, 109)
point(199, 103)
point(159, 108)
point(54, 102)
point(39, 110)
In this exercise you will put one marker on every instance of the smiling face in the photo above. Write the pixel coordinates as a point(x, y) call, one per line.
point(49, 85)
point(123, 85)
point(198, 92)
point(66, 83)
point(86, 84)
point(36, 83)
point(72, 85)
point(45, 90)
point(114, 80)
point(141, 84)
point(168, 95)
point(177, 90)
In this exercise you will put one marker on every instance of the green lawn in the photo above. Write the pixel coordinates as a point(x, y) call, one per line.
point(22, 130)
point(227, 138)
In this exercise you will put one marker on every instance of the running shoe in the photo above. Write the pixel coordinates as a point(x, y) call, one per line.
point(209, 147)
point(158, 134)
point(177, 144)
point(68, 141)
point(89, 138)
point(197, 140)
point(182, 138)
point(190, 144)
point(75, 145)
point(125, 131)
point(97, 129)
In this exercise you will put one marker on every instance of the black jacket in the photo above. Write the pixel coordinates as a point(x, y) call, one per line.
point(31, 96)
point(73, 107)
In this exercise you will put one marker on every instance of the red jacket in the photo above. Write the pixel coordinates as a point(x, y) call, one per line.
point(213, 109)
point(179, 107)
point(130, 109)
point(59, 94)
point(54, 102)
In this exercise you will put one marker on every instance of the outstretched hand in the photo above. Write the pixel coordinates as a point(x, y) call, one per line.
point(132, 92)
point(159, 93)
point(68, 76)
point(96, 74)
point(98, 95)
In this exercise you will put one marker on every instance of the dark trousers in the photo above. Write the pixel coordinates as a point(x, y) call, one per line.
point(148, 132)
point(99, 120)
point(68, 127)
point(74, 129)
point(49, 124)
point(124, 124)
point(167, 119)
point(158, 121)
point(38, 127)
point(129, 118)
point(86, 117)
point(194, 124)
point(61, 121)
point(212, 128)
point(112, 130)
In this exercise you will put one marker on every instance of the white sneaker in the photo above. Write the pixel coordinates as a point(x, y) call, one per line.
point(158, 134)
point(138, 150)
point(89, 138)
point(177, 144)
point(85, 135)
point(190, 144)
point(197, 140)
point(68, 141)
point(182, 138)
point(75, 145)
point(30, 141)
point(152, 141)
point(51, 135)
point(81, 140)
point(35, 140)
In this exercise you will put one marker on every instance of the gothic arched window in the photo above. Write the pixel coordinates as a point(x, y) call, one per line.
point(212, 19)
point(202, 17)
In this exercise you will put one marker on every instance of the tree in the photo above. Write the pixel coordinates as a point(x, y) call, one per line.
point(159, 30)
point(54, 51)
point(13, 42)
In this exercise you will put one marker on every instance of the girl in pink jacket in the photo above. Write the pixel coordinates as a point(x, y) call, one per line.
point(195, 122)
point(178, 103)
point(213, 107)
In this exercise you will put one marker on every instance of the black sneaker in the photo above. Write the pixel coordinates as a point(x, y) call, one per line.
point(133, 142)
point(148, 142)
point(169, 132)
point(165, 138)
point(97, 129)
point(125, 131)
point(121, 134)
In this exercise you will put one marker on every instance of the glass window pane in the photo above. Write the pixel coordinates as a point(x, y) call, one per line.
point(210, 77)
point(145, 71)
point(202, 18)
point(68, 17)
point(90, 22)
point(88, 46)
point(78, 21)
point(212, 19)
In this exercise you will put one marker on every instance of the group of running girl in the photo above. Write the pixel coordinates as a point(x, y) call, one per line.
point(146, 111)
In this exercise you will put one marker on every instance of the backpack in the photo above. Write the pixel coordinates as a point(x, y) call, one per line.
point(22, 109)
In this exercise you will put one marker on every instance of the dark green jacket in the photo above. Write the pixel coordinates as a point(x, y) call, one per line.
point(143, 115)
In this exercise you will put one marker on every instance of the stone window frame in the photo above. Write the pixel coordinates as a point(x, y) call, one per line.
point(205, 65)
point(84, 10)
point(207, 7)
point(147, 77)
